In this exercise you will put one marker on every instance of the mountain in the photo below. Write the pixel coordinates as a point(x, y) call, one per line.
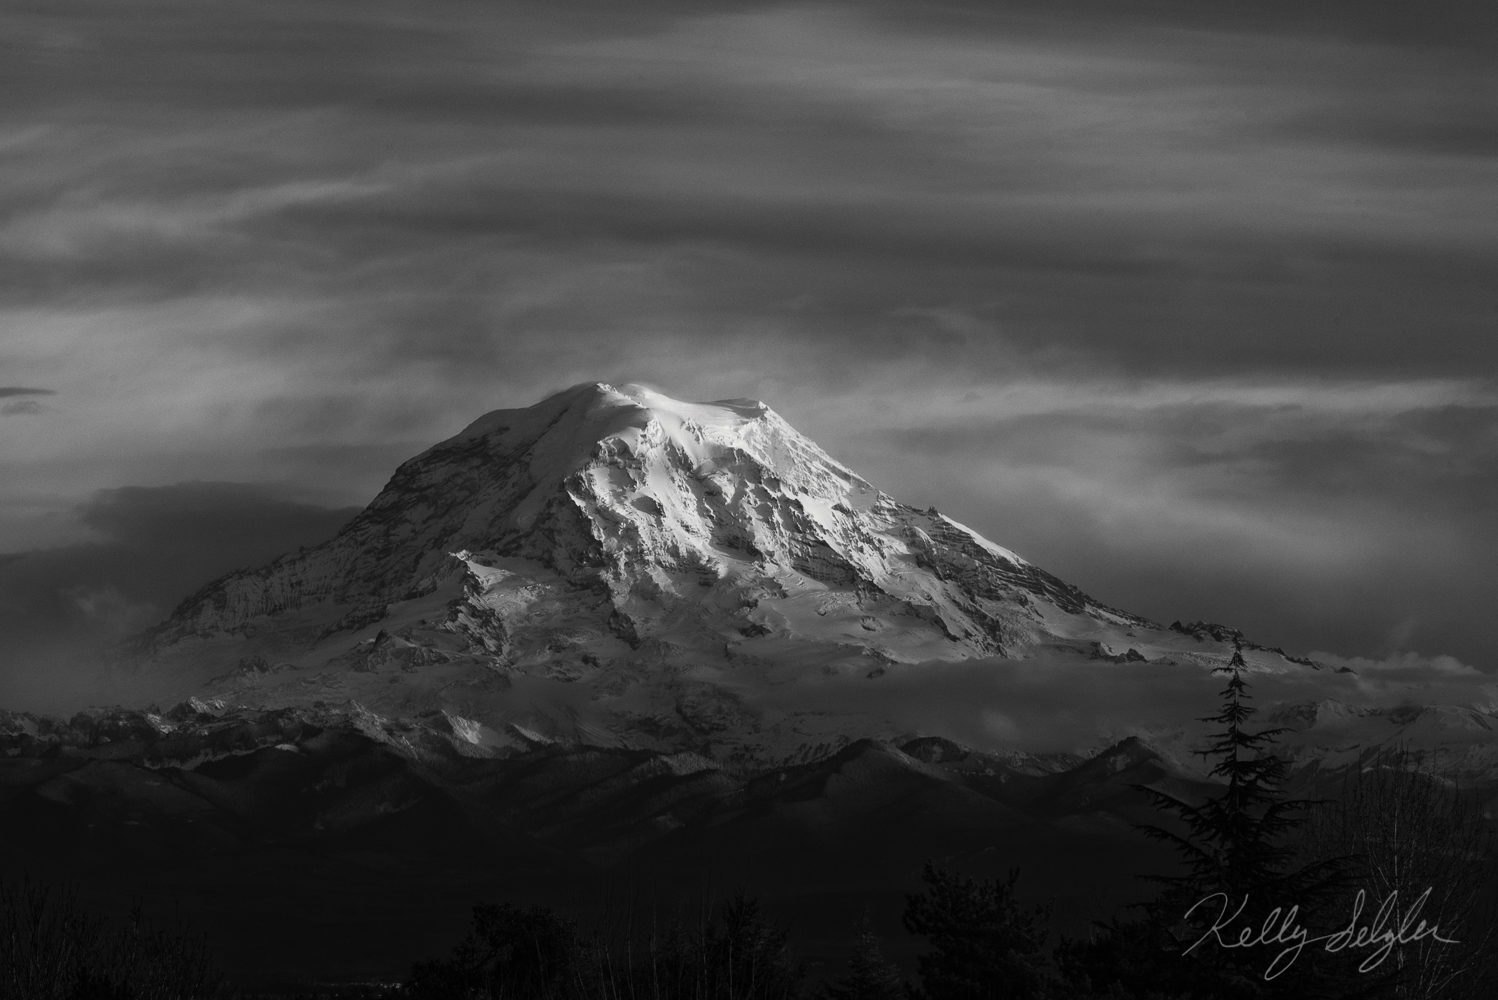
point(616, 567)
point(347, 851)
point(346, 847)
point(618, 643)
point(293, 834)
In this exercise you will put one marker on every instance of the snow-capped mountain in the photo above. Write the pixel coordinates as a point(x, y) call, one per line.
point(618, 636)
point(615, 565)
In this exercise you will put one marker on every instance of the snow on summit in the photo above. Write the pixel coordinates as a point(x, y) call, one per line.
point(615, 564)
point(569, 427)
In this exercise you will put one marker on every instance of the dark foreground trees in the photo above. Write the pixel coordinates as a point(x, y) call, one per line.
point(1418, 839)
point(983, 945)
point(509, 952)
point(1242, 873)
point(1275, 865)
point(870, 975)
point(51, 948)
point(533, 954)
point(1399, 836)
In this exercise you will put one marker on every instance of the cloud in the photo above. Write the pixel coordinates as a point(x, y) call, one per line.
point(1053, 704)
point(1316, 513)
point(1401, 666)
point(27, 404)
point(80, 226)
point(60, 608)
point(1045, 704)
point(1192, 306)
point(109, 611)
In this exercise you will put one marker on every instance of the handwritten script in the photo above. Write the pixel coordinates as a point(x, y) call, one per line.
point(1282, 927)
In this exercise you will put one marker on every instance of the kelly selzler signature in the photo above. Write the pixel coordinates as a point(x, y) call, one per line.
point(1282, 927)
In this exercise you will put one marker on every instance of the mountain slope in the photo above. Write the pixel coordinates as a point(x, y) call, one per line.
point(616, 566)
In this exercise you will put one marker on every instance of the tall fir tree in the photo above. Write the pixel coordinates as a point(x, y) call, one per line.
point(1235, 840)
point(1235, 843)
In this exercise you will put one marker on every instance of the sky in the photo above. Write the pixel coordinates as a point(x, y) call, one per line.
point(1192, 305)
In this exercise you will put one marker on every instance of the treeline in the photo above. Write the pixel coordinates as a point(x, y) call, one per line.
point(54, 948)
point(983, 944)
point(1263, 876)
point(979, 943)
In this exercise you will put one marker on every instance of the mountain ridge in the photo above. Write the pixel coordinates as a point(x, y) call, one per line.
point(617, 566)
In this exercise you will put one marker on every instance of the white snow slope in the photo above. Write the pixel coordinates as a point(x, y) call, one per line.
point(614, 565)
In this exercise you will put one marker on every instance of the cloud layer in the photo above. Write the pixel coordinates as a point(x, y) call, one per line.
point(60, 608)
point(1047, 705)
point(1193, 307)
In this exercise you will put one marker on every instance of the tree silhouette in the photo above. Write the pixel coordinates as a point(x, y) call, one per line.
point(1236, 840)
point(1236, 850)
point(52, 948)
point(870, 975)
point(983, 946)
point(1408, 831)
point(510, 951)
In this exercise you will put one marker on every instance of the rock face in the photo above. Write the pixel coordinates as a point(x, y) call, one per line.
point(615, 565)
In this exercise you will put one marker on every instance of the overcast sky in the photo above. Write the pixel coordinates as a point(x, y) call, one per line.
point(1195, 310)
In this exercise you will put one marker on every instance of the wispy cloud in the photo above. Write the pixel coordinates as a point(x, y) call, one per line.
point(95, 223)
point(23, 401)
point(1192, 306)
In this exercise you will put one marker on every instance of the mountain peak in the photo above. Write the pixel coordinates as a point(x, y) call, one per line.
point(599, 406)
point(567, 429)
point(655, 558)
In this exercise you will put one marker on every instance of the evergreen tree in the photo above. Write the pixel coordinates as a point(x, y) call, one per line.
point(870, 976)
point(1235, 840)
point(511, 951)
point(1237, 844)
point(983, 946)
point(1234, 843)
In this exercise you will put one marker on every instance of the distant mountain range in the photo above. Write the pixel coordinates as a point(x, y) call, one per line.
point(345, 845)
